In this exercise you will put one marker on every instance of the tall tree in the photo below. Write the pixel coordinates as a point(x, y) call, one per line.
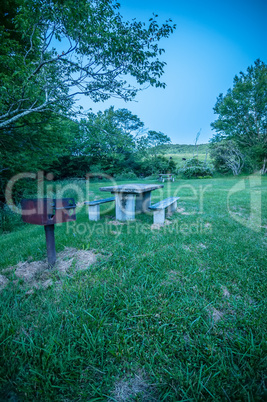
point(243, 113)
point(56, 50)
point(227, 157)
point(151, 142)
point(103, 142)
point(107, 134)
point(150, 146)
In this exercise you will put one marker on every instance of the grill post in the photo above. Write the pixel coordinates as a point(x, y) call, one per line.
point(50, 244)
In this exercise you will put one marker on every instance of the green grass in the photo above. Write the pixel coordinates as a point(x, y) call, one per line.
point(184, 305)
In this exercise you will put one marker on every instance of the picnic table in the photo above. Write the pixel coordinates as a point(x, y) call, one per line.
point(131, 199)
point(167, 176)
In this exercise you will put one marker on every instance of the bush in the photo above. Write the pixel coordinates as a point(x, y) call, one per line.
point(157, 164)
point(8, 219)
point(124, 175)
point(205, 177)
point(70, 166)
point(194, 168)
point(152, 177)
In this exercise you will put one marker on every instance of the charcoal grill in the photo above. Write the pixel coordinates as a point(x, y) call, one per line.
point(47, 212)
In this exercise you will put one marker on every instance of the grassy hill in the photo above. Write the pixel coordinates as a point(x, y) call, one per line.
point(178, 152)
point(176, 313)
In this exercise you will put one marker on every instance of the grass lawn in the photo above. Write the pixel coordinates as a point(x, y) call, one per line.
point(176, 313)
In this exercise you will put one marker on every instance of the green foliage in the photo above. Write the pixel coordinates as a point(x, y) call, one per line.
point(228, 158)
point(217, 154)
point(53, 51)
point(126, 175)
point(152, 142)
point(30, 147)
point(9, 221)
point(194, 168)
point(112, 142)
point(157, 164)
point(107, 135)
point(33, 146)
point(104, 142)
point(67, 166)
point(242, 114)
point(204, 177)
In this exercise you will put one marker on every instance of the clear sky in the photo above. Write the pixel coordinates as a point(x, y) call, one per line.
point(214, 41)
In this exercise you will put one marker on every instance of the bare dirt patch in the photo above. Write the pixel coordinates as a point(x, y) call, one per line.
point(182, 211)
point(239, 211)
point(134, 388)
point(167, 222)
point(36, 274)
point(113, 232)
point(225, 291)
point(215, 314)
point(201, 245)
point(79, 260)
point(3, 282)
point(207, 225)
point(115, 223)
point(186, 247)
point(172, 277)
point(157, 226)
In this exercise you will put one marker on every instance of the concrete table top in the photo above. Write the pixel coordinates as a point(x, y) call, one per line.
point(134, 188)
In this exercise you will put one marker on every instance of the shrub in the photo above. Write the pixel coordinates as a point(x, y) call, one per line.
point(70, 166)
point(194, 168)
point(8, 219)
point(158, 164)
point(124, 175)
point(205, 177)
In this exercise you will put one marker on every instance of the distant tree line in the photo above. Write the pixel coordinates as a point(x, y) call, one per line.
point(113, 142)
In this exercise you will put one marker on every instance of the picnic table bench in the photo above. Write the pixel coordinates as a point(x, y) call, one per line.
point(160, 207)
point(94, 208)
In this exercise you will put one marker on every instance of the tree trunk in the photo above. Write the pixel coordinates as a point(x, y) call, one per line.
point(264, 168)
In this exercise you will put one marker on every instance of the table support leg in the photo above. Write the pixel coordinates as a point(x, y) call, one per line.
point(125, 206)
point(143, 201)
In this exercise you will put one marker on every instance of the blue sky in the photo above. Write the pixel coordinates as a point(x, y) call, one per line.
point(213, 42)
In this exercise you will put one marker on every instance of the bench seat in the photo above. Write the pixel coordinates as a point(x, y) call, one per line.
point(160, 207)
point(94, 208)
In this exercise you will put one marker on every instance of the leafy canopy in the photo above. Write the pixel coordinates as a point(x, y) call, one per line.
point(242, 113)
point(55, 50)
